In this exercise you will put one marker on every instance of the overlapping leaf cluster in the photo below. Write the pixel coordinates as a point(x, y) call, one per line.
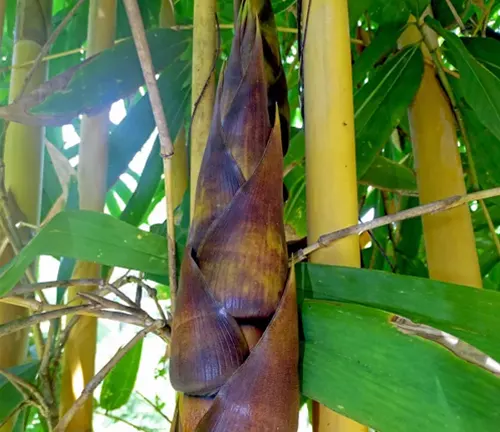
point(234, 336)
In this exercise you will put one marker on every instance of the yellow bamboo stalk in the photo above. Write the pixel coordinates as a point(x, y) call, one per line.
point(331, 188)
point(23, 157)
point(79, 354)
point(449, 236)
point(202, 98)
point(179, 160)
point(203, 83)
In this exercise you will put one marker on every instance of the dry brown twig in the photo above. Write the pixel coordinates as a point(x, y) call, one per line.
point(99, 307)
point(31, 288)
point(455, 15)
point(155, 407)
point(167, 149)
point(99, 377)
point(433, 207)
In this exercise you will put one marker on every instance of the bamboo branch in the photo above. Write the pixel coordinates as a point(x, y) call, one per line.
point(45, 377)
point(144, 54)
point(28, 391)
point(455, 15)
point(21, 323)
point(135, 316)
point(151, 293)
point(125, 421)
point(105, 303)
point(433, 207)
point(99, 377)
point(155, 407)
point(24, 289)
point(16, 411)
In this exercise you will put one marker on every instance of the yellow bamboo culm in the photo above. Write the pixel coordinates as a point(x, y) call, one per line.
point(79, 354)
point(330, 151)
point(180, 158)
point(449, 236)
point(203, 81)
point(23, 158)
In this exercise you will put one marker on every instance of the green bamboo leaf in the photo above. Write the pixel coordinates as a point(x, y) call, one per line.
point(51, 187)
point(488, 255)
point(408, 246)
point(10, 398)
point(441, 11)
point(479, 220)
point(280, 6)
point(380, 103)
point(122, 190)
point(126, 139)
point(296, 149)
point(112, 205)
point(486, 51)
point(383, 43)
point(72, 36)
point(138, 203)
point(417, 7)
point(479, 86)
point(119, 383)
point(485, 148)
point(295, 206)
point(97, 82)
point(386, 174)
point(467, 313)
point(388, 380)
point(356, 9)
point(492, 279)
point(389, 12)
point(150, 10)
point(91, 236)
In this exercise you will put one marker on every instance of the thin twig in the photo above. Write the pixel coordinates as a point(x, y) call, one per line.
point(43, 372)
point(21, 323)
point(56, 358)
point(50, 312)
point(16, 411)
point(167, 149)
point(99, 377)
point(28, 390)
point(455, 15)
point(151, 293)
point(114, 288)
point(106, 303)
point(31, 288)
point(125, 421)
point(433, 207)
point(154, 406)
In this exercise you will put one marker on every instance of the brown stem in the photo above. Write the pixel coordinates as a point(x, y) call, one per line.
point(167, 150)
point(433, 207)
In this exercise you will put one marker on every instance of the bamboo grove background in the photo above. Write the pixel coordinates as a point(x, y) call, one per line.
point(336, 114)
